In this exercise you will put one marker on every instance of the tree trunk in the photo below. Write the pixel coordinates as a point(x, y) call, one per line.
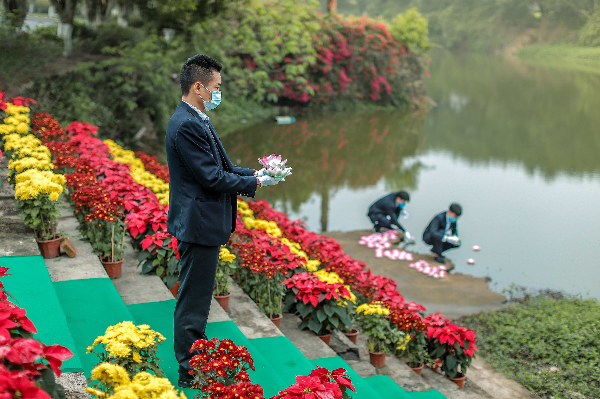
point(331, 6)
point(15, 12)
point(66, 13)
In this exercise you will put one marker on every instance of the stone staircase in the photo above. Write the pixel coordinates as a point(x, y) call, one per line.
point(72, 301)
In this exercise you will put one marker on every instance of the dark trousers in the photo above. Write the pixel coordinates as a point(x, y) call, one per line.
point(439, 247)
point(380, 221)
point(197, 269)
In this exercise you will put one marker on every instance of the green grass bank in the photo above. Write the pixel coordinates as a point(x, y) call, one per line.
point(562, 56)
point(550, 345)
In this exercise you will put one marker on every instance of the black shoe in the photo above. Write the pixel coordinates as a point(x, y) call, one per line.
point(440, 259)
point(187, 383)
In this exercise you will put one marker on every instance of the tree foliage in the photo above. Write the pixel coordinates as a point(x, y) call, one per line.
point(411, 30)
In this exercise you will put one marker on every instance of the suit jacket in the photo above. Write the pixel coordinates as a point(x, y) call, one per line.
point(203, 182)
point(386, 206)
point(437, 227)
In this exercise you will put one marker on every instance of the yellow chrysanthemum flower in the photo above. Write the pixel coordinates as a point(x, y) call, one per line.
point(107, 372)
point(32, 183)
point(225, 255)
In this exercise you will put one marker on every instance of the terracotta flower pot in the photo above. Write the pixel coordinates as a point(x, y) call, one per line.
point(436, 365)
point(352, 335)
point(377, 359)
point(113, 269)
point(174, 289)
point(50, 248)
point(416, 369)
point(223, 300)
point(325, 338)
point(277, 320)
point(459, 380)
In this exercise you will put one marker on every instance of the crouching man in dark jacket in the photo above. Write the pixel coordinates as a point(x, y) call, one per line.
point(384, 212)
point(442, 232)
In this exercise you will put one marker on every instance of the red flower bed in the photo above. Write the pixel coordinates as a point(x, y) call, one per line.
point(22, 358)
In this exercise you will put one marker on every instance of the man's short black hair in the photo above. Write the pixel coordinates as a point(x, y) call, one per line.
point(197, 68)
point(403, 195)
point(457, 209)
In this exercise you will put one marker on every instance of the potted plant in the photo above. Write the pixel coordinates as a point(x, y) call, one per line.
point(383, 337)
point(225, 267)
point(37, 194)
point(219, 364)
point(159, 255)
point(130, 346)
point(320, 298)
point(265, 264)
point(106, 232)
point(454, 346)
point(409, 320)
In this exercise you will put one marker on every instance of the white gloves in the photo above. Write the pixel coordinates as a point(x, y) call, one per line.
point(266, 180)
point(408, 237)
point(260, 173)
point(451, 239)
point(404, 214)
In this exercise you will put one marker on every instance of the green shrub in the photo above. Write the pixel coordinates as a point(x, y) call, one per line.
point(109, 35)
point(20, 51)
point(411, 30)
point(551, 346)
point(589, 35)
point(118, 93)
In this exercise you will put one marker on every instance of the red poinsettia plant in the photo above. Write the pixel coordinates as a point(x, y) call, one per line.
point(26, 364)
point(322, 305)
point(265, 264)
point(453, 345)
point(219, 363)
point(320, 384)
point(159, 255)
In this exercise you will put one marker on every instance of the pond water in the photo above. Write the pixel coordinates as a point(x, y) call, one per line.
point(518, 147)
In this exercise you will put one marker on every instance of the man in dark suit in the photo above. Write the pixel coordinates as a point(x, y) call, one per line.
point(203, 190)
point(442, 232)
point(384, 212)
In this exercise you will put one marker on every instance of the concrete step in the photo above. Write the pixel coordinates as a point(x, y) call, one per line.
point(159, 315)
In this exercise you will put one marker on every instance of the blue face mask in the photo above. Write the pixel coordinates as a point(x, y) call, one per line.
point(214, 102)
point(452, 220)
point(402, 205)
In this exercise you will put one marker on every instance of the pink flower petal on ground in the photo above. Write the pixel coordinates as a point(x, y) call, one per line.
point(379, 252)
point(476, 248)
point(442, 274)
point(409, 256)
point(471, 261)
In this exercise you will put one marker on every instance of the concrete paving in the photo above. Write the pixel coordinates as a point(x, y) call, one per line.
point(16, 239)
point(135, 287)
point(85, 264)
point(246, 315)
point(311, 346)
point(454, 296)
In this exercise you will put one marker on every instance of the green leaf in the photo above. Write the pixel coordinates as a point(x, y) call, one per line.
point(173, 265)
point(314, 325)
point(321, 315)
point(147, 267)
point(451, 362)
point(160, 270)
point(329, 310)
point(143, 256)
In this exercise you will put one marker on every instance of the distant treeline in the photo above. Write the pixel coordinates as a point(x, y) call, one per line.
point(492, 24)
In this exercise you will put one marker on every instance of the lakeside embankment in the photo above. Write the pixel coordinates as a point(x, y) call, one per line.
point(565, 57)
point(454, 296)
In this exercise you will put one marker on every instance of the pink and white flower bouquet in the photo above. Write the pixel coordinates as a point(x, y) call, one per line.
point(274, 166)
